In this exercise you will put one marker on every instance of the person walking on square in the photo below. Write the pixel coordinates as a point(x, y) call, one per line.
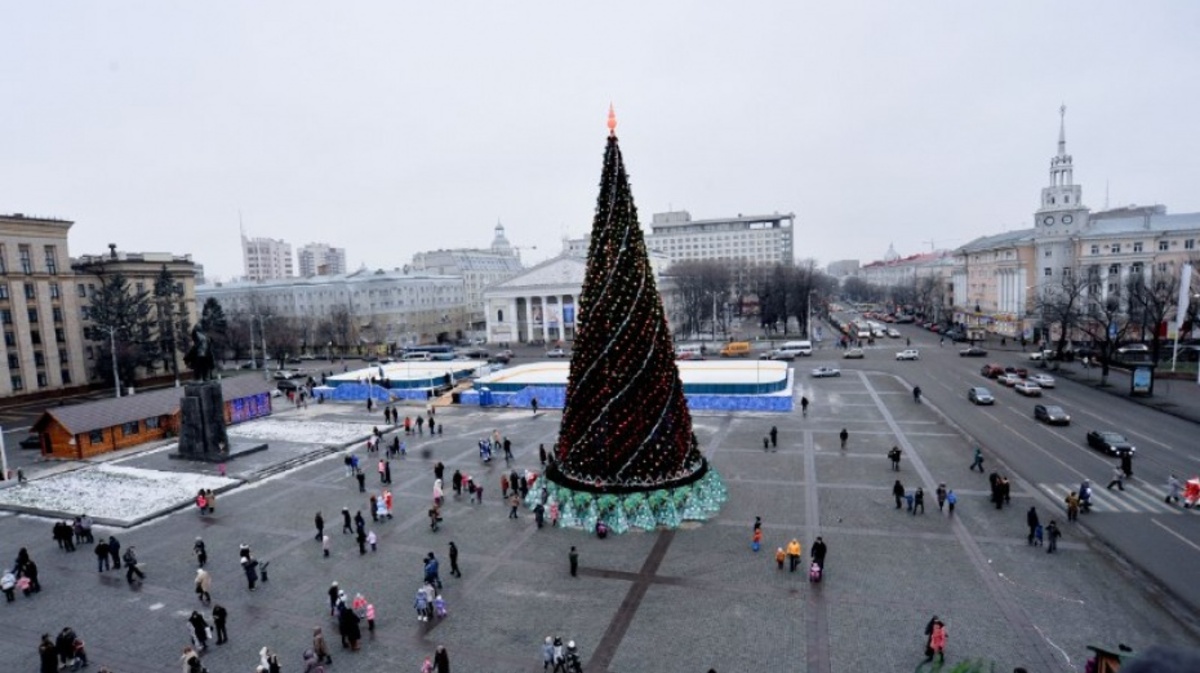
point(114, 551)
point(203, 585)
point(199, 630)
point(347, 527)
point(780, 557)
point(101, 551)
point(320, 647)
point(441, 660)
point(362, 480)
point(503, 485)
point(514, 501)
point(533, 403)
point(941, 495)
point(573, 557)
point(1031, 520)
point(454, 571)
point(898, 492)
point(319, 521)
point(201, 553)
point(918, 501)
point(894, 456)
point(794, 554)
point(774, 437)
point(131, 565)
point(420, 425)
point(818, 553)
point(978, 462)
point(325, 546)
point(844, 435)
point(1072, 501)
point(937, 640)
point(542, 455)
point(250, 568)
point(1118, 479)
point(220, 614)
point(1052, 533)
point(373, 507)
point(508, 454)
point(1173, 488)
point(804, 406)
point(951, 501)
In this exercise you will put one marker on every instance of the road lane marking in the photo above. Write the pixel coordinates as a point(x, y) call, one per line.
point(1182, 538)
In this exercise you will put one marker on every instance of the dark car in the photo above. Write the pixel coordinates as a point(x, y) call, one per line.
point(1051, 414)
point(31, 441)
point(1112, 443)
point(287, 386)
point(973, 352)
point(1019, 371)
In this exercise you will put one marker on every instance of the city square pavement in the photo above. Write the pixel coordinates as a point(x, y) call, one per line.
point(683, 600)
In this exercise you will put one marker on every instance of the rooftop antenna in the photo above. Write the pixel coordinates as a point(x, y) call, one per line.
point(930, 242)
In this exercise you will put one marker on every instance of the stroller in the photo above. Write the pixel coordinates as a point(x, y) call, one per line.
point(814, 572)
point(1085, 496)
point(1191, 492)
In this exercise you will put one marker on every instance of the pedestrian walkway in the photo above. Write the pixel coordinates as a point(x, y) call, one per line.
point(1135, 499)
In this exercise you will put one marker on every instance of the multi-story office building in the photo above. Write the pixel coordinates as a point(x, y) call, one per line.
point(43, 337)
point(142, 270)
point(843, 268)
point(321, 259)
point(266, 258)
point(385, 307)
point(479, 269)
point(757, 239)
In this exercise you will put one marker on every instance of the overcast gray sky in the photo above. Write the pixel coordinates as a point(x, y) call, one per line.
point(393, 127)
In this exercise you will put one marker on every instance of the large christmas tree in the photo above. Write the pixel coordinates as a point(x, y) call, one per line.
point(626, 426)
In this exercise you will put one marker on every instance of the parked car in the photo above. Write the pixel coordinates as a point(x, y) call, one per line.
point(1043, 380)
point(1051, 414)
point(973, 352)
point(825, 372)
point(909, 354)
point(556, 353)
point(1028, 389)
point(980, 395)
point(31, 441)
point(992, 371)
point(1112, 443)
point(1019, 371)
point(854, 354)
point(287, 386)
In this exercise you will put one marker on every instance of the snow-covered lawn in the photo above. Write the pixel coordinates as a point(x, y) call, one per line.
point(301, 432)
point(111, 491)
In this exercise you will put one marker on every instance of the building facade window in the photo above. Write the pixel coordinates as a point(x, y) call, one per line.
point(3, 291)
point(14, 362)
point(5, 316)
point(66, 376)
point(1137, 247)
point(1189, 244)
point(1116, 248)
point(39, 360)
point(55, 292)
point(96, 436)
point(1048, 272)
point(1162, 246)
point(33, 316)
point(17, 383)
point(10, 339)
point(35, 337)
point(59, 335)
point(57, 313)
point(129, 429)
point(3, 260)
point(81, 290)
point(30, 291)
point(42, 381)
point(152, 423)
point(1095, 249)
point(26, 260)
point(51, 260)
point(1114, 269)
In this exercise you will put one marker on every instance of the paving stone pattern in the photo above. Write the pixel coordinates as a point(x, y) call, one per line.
point(682, 600)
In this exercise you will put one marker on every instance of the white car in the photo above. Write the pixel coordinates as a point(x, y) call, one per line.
point(1028, 389)
point(823, 372)
point(909, 354)
point(1010, 380)
point(893, 333)
point(1043, 380)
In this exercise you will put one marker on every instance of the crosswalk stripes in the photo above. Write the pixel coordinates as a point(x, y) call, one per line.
point(1136, 498)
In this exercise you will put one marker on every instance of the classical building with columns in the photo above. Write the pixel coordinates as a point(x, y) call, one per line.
point(540, 305)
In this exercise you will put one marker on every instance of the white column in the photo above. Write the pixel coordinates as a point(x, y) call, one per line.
point(545, 319)
point(514, 324)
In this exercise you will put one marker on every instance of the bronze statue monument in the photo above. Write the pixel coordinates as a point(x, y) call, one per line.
point(199, 357)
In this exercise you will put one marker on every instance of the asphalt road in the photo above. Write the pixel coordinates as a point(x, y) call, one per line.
point(1162, 540)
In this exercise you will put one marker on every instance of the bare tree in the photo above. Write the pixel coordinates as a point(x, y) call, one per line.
point(1152, 300)
point(1061, 303)
point(702, 285)
point(1104, 320)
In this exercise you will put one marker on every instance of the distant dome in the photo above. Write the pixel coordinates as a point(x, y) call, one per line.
point(891, 255)
point(500, 243)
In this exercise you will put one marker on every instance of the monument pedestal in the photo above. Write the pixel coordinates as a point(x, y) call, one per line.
point(202, 433)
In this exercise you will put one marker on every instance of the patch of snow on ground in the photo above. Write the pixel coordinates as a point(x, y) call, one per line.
point(301, 432)
point(111, 491)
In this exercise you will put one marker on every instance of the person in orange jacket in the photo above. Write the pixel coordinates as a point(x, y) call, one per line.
point(793, 552)
point(779, 557)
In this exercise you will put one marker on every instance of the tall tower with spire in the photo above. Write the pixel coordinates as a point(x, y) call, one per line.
point(1060, 217)
point(1062, 199)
